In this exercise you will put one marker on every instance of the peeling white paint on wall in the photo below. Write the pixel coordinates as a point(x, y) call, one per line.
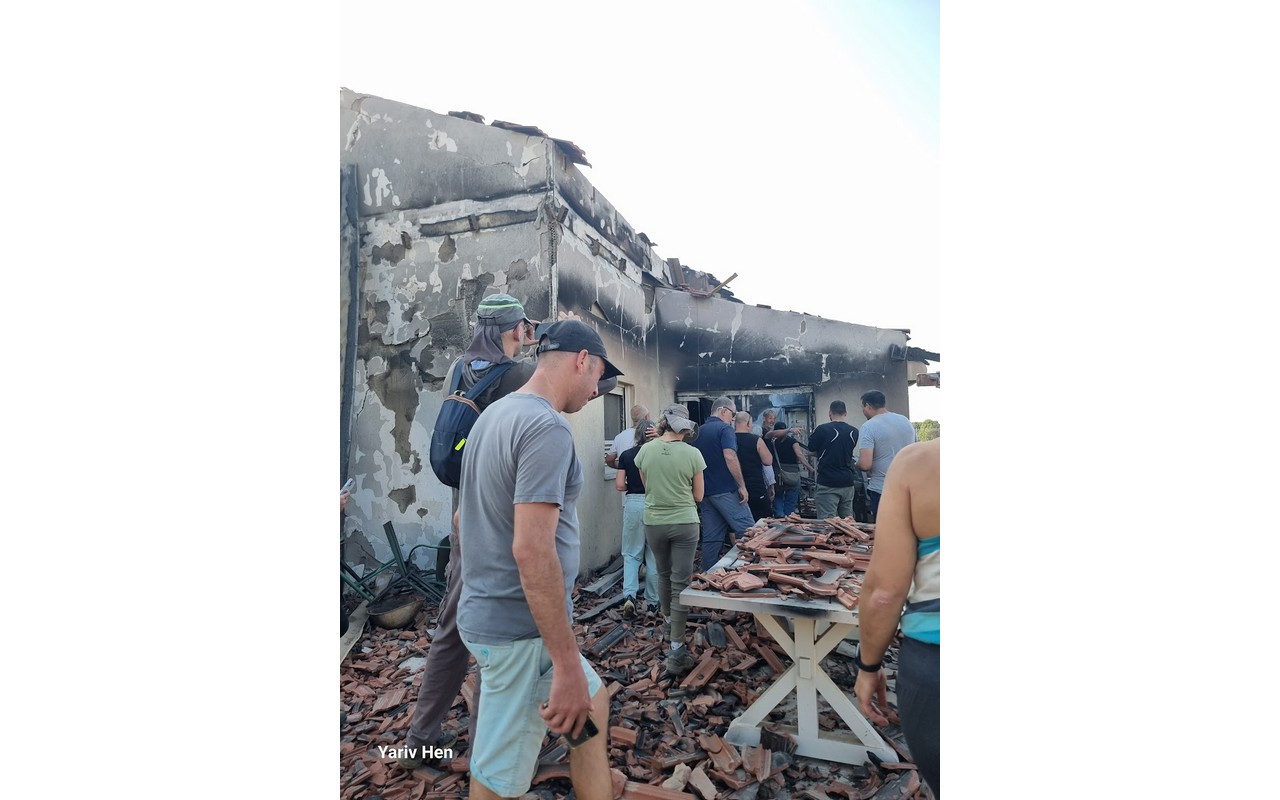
point(737, 324)
point(439, 140)
point(528, 155)
point(437, 285)
point(373, 196)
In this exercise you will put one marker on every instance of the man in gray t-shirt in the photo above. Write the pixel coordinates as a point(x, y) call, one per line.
point(518, 531)
point(524, 455)
point(881, 437)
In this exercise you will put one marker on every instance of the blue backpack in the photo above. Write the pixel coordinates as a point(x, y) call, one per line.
point(458, 413)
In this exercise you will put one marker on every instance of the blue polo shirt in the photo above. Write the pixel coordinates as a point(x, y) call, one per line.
point(714, 437)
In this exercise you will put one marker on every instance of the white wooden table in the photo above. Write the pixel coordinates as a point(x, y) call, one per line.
point(819, 626)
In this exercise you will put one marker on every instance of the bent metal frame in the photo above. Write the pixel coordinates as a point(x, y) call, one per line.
point(805, 676)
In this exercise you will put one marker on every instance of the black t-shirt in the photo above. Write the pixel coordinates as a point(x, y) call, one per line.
point(835, 447)
point(750, 463)
point(786, 451)
point(627, 463)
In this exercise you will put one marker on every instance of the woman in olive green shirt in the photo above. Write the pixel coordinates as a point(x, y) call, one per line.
point(672, 472)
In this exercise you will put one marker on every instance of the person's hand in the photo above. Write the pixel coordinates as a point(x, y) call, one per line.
point(771, 493)
point(868, 687)
point(528, 335)
point(651, 432)
point(742, 494)
point(345, 497)
point(568, 315)
point(569, 705)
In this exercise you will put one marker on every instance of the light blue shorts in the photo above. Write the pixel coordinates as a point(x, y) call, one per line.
point(509, 730)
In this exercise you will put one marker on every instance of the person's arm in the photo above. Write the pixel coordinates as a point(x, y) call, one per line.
point(885, 588)
point(866, 444)
point(620, 480)
point(865, 458)
point(698, 487)
point(534, 550)
point(611, 457)
point(801, 457)
point(735, 469)
point(762, 449)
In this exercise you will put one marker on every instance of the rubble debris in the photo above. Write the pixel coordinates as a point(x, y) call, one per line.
point(666, 733)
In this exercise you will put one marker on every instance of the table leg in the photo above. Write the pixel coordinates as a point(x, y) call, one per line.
point(807, 663)
point(807, 677)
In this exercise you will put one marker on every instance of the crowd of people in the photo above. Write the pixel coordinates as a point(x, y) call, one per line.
point(690, 491)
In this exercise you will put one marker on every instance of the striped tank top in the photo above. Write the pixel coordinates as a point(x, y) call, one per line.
point(920, 621)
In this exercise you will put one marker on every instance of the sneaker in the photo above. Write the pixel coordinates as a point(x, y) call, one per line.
point(447, 740)
point(629, 608)
point(680, 661)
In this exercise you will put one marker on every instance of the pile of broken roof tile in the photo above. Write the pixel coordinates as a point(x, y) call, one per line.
point(665, 732)
point(791, 556)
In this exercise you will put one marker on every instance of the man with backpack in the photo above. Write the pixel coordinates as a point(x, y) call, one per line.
point(502, 331)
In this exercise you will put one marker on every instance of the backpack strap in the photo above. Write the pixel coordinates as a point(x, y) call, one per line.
point(456, 383)
point(491, 377)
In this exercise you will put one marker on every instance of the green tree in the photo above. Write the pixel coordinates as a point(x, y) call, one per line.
point(926, 430)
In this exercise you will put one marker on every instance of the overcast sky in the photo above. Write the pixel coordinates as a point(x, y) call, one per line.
point(796, 144)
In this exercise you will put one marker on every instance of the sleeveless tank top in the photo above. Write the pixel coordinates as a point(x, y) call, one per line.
point(920, 621)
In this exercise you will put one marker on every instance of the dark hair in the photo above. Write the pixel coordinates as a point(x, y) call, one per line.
point(640, 428)
point(837, 407)
point(873, 398)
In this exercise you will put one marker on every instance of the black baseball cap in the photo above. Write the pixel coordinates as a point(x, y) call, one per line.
point(572, 336)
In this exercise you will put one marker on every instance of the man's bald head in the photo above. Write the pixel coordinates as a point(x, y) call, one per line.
point(638, 412)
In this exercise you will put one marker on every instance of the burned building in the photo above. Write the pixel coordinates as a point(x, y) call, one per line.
point(439, 210)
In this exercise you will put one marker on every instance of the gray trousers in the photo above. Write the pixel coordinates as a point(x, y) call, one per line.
point(673, 547)
point(833, 501)
point(446, 665)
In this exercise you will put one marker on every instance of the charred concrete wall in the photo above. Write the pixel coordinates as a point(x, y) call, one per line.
point(449, 211)
point(447, 214)
point(733, 347)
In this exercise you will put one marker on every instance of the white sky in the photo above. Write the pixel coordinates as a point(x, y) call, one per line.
point(797, 148)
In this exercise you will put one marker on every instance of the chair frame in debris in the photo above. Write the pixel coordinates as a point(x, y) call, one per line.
point(432, 588)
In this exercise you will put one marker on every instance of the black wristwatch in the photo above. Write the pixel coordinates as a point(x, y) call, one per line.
point(857, 662)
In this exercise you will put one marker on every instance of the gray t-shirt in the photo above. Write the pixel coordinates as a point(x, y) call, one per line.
point(520, 451)
point(884, 435)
